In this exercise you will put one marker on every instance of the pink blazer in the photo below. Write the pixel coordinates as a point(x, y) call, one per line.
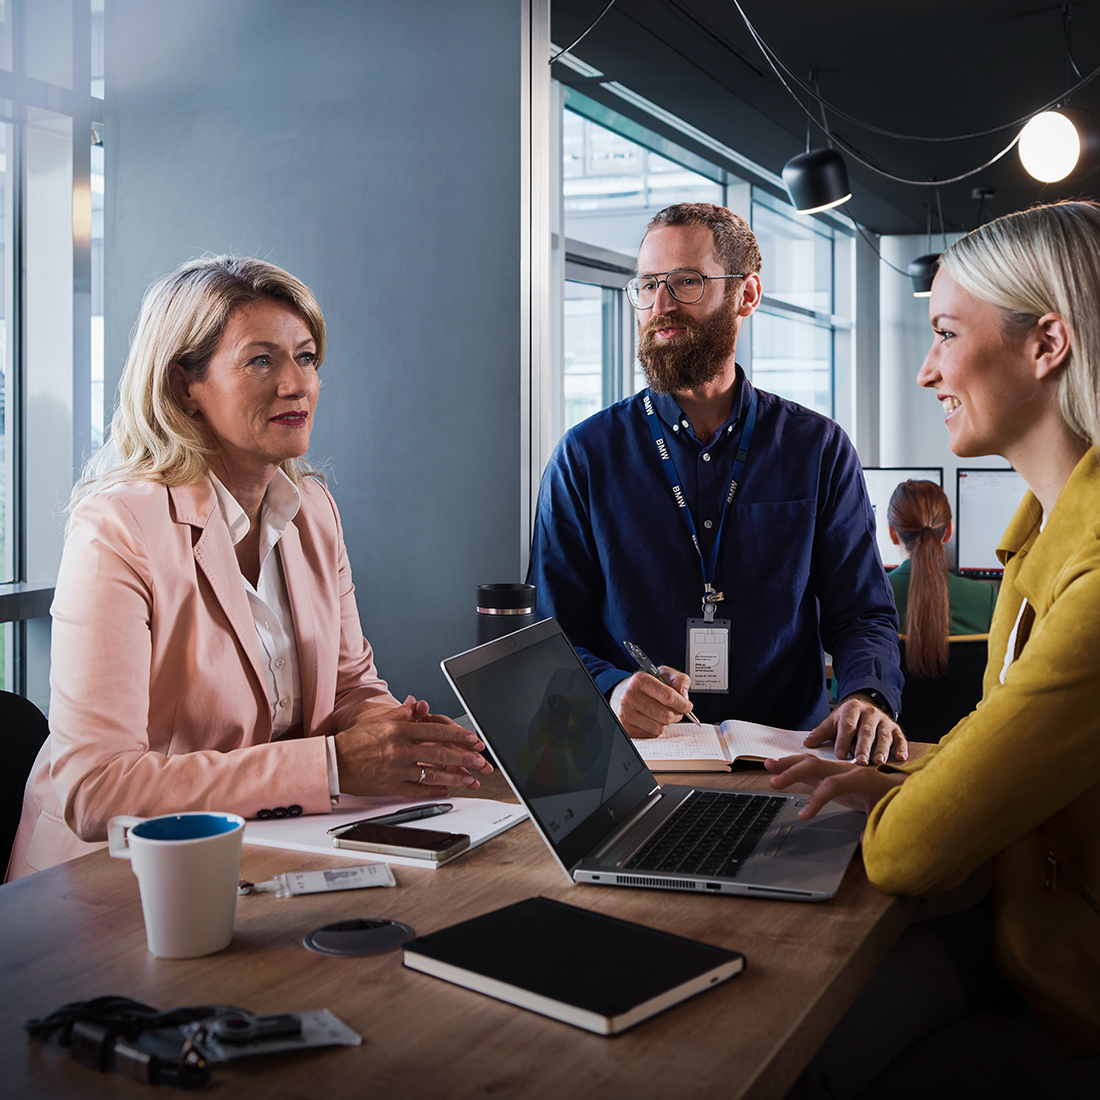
point(158, 696)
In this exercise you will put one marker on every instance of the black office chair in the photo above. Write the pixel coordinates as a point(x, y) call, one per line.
point(24, 728)
point(930, 707)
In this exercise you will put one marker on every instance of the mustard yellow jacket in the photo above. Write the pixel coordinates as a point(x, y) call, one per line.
point(1018, 780)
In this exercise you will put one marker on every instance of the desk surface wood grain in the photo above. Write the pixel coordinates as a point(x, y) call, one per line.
point(75, 932)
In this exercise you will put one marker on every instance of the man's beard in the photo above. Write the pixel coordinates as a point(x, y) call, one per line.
point(693, 357)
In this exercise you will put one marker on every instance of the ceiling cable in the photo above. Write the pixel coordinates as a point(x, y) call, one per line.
point(585, 32)
point(845, 145)
point(775, 60)
point(874, 248)
point(1067, 19)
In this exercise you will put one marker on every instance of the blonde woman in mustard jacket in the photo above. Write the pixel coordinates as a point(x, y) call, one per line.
point(207, 652)
point(1005, 995)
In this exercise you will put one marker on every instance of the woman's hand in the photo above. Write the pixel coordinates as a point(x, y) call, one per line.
point(852, 785)
point(387, 750)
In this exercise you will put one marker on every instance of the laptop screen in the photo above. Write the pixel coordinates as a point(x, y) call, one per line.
point(549, 727)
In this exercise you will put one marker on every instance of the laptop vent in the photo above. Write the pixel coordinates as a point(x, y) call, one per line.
point(656, 883)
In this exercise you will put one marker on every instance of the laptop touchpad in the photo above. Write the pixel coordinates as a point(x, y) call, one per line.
point(816, 843)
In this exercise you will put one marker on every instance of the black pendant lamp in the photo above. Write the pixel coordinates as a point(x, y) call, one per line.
point(816, 180)
point(922, 271)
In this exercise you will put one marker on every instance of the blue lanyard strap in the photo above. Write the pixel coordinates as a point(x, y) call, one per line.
point(710, 597)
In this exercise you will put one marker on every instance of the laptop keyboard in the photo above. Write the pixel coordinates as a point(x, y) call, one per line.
point(711, 834)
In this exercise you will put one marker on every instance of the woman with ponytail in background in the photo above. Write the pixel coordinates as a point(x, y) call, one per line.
point(931, 602)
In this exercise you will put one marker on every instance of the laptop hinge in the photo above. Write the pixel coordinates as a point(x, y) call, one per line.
point(652, 799)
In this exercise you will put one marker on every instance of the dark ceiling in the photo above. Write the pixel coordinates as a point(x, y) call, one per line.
point(933, 68)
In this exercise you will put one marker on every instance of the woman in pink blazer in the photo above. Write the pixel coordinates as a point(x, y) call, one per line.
point(207, 651)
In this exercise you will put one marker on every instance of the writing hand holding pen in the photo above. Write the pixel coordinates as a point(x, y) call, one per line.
point(650, 700)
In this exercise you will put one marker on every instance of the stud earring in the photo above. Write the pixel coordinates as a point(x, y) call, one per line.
point(190, 412)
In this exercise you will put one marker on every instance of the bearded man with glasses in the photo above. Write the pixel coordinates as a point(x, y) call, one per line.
point(725, 531)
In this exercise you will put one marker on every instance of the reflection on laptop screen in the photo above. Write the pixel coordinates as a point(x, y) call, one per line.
point(553, 733)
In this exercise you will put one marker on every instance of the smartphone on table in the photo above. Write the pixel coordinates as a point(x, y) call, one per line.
point(399, 840)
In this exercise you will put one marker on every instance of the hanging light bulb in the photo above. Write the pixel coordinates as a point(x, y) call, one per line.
point(922, 271)
point(1057, 144)
point(816, 180)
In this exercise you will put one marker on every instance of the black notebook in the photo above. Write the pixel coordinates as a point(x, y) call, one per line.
point(582, 967)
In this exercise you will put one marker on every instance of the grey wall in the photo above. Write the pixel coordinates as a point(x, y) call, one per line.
point(373, 149)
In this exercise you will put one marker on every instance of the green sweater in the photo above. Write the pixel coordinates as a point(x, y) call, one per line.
point(971, 602)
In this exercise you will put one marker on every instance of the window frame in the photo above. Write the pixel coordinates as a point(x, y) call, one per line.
point(25, 603)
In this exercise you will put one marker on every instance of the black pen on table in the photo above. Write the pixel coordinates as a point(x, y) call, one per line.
point(646, 665)
point(413, 813)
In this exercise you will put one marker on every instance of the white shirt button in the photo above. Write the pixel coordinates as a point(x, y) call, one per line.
point(279, 662)
point(685, 424)
point(706, 456)
point(675, 427)
point(707, 524)
point(284, 703)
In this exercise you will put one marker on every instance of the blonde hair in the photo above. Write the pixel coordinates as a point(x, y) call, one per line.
point(182, 320)
point(1037, 261)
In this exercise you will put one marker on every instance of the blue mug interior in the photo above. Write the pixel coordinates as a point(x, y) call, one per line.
point(184, 827)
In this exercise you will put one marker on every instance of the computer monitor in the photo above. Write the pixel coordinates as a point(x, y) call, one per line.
point(881, 483)
point(985, 501)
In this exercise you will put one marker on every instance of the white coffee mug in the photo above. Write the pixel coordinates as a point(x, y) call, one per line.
point(187, 867)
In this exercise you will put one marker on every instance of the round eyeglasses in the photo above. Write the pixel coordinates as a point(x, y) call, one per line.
point(685, 285)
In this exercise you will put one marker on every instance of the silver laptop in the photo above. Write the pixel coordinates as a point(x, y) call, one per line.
point(600, 810)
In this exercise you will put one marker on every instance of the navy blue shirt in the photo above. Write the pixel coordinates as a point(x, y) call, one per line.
point(798, 563)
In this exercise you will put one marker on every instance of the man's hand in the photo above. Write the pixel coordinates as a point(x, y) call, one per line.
point(386, 750)
point(645, 705)
point(851, 786)
point(859, 727)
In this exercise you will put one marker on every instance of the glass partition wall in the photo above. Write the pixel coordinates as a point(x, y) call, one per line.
point(52, 208)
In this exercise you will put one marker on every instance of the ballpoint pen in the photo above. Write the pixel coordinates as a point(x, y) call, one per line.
point(413, 813)
point(646, 665)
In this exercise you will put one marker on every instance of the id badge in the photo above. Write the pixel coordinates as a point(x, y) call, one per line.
point(708, 655)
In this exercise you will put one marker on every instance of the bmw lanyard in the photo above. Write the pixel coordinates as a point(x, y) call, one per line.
point(710, 597)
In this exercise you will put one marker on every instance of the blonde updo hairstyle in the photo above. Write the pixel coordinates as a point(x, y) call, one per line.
point(1037, 261)
point(182, 320)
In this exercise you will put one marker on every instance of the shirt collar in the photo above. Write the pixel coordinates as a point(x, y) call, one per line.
point(280, 505)
point(668, 409)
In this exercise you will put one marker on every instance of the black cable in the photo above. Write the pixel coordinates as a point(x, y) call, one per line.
point(846, 146)
point(774, 59)
point(1067, 18)
point(874, 248)
point(119, 1015)
point(586, 30)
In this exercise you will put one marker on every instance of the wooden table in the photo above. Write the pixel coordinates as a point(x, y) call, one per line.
point(75, 932)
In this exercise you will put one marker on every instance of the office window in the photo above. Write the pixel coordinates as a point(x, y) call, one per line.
point(612, 186)
point(598, 348)
point(792, 356)
point(51, 315)
point(795, 350)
